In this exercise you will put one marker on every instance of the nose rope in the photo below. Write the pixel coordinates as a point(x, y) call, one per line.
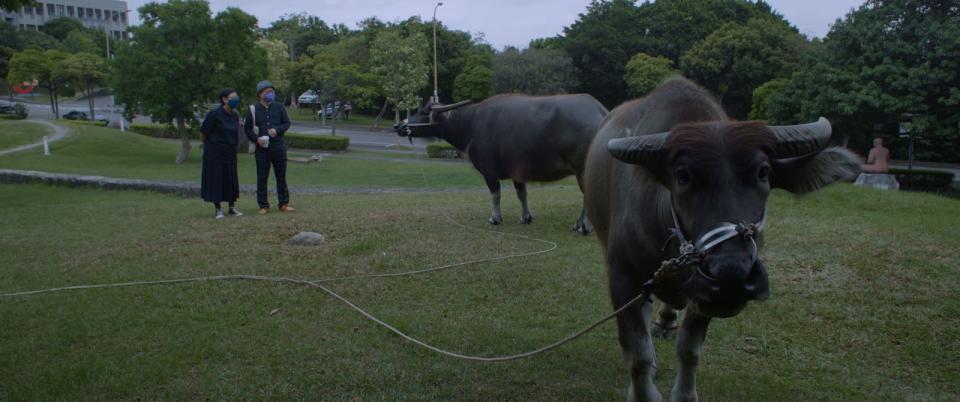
point(678, 270)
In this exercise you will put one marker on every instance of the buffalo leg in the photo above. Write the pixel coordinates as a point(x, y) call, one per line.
point(633, 327)
point(526, 218)
point(496, 217)
point(666, 325)
point(583, 225)
point(689, 346)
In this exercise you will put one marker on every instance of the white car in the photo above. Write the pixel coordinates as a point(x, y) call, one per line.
point(308, 98)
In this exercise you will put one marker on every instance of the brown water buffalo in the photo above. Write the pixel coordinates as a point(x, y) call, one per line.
point(518, 137)
point(671, 178)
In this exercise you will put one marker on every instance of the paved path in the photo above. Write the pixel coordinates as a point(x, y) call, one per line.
point(191, 189)
point(58, 134)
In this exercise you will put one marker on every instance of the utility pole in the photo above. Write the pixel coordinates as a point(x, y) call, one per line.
point(436, 96)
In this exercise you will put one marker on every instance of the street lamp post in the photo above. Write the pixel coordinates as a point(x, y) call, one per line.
point(436, 97)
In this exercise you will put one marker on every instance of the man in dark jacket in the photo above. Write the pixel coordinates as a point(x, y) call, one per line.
point(265, 124)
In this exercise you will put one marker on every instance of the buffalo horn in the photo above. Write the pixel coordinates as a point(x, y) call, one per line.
point(639, 150)
point(445, 108)
point(801, 139)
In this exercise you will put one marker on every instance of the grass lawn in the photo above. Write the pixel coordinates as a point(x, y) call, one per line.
point(16, 133)
point(864, 301)
point(107, 152)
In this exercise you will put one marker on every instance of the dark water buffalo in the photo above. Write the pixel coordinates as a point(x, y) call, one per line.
point(523, 138)
point(671, 178)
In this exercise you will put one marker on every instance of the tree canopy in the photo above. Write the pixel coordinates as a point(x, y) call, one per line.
point(533, 71)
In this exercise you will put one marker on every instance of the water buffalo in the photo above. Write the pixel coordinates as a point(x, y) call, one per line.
point(523, 138)
point(677, 191)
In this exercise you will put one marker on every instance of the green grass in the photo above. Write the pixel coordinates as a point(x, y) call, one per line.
point(863, 304)
point(14, 133)
point(108, 152)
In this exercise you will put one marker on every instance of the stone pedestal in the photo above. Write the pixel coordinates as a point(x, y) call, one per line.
point(880, 181)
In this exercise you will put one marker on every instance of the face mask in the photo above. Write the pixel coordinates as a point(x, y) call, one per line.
point(233, 102)
point(270, 97)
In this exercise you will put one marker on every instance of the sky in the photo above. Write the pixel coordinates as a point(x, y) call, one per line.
point(502, 22)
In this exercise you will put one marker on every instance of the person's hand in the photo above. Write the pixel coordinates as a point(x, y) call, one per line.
point(263, 144)
point(272, 132)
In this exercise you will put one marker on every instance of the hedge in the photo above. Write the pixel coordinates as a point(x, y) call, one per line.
point(923, 179)
point(162, 131)
point(443, 150)
point(88, 123)
point(316, 142)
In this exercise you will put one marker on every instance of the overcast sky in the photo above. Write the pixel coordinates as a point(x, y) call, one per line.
point(503, 22)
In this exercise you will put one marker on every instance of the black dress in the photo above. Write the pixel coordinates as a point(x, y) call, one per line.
point(219, 181)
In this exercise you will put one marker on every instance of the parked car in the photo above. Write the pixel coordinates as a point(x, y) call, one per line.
point(329, 110)
point(7, 109)
point(75, 115)
point(308, 98)
point(78, 115)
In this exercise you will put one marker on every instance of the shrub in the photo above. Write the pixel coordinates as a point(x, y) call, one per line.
point(443, 150)
point(317, 142)
point(162, 131)
point(923, 179)
point(88, 123)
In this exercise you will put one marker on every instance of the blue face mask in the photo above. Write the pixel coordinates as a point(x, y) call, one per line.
point(233, 102)
point(270, 97)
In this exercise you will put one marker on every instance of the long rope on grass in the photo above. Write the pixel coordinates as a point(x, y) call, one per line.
point(319, 284)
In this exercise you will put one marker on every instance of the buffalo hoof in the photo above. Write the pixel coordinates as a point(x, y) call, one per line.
point(660, 331)
point(582, 228)
point(526, 220)
point(495, 220)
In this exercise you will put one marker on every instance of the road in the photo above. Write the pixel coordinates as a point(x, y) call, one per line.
point(359, 137)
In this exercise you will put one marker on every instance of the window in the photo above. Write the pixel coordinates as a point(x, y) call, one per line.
point(61, 9)
point(80, 12)
point(51, 10)
point(123, 17)
point(70, 11)
point(90, 13)
point(99, 13)
point(39, 8)
point(116, 16)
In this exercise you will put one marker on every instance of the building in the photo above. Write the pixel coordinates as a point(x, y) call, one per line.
point(108, 15)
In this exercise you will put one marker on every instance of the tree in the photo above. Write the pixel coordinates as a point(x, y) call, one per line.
point(85, 70)
point(645, 72)
point(736, 59)
point(300, 31)
point(15, 5)
point(600, 43)
point(533, 71)
point(39, 65)
point(180, 57)
point(9, 36)
point(83, 41)
point(36, 40)
point(278, 63)
point(60, 27)
point(763, 96)
point(881, 62)
point(401, 66)
point(475, 82)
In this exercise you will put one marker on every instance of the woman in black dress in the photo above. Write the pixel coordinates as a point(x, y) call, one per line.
point(221, 129)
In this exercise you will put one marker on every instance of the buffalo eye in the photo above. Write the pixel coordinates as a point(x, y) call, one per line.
point(763, 174)
point(683, 177)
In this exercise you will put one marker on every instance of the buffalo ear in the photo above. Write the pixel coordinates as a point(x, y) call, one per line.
point(811, 172)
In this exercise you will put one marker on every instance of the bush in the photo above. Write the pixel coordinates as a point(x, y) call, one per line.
point(443, 150)
point(162, 131)
point(317, 142)
point(923, 179)
point(88, 123)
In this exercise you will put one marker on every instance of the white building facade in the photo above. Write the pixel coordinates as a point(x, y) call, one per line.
point(108, 15)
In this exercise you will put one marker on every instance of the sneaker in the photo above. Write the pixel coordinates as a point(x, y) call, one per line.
point(263, 211)
point(235, 212)
point(287, 208)
point(219, 214)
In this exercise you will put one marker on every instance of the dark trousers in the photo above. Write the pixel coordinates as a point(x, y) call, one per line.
point(276, 156)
